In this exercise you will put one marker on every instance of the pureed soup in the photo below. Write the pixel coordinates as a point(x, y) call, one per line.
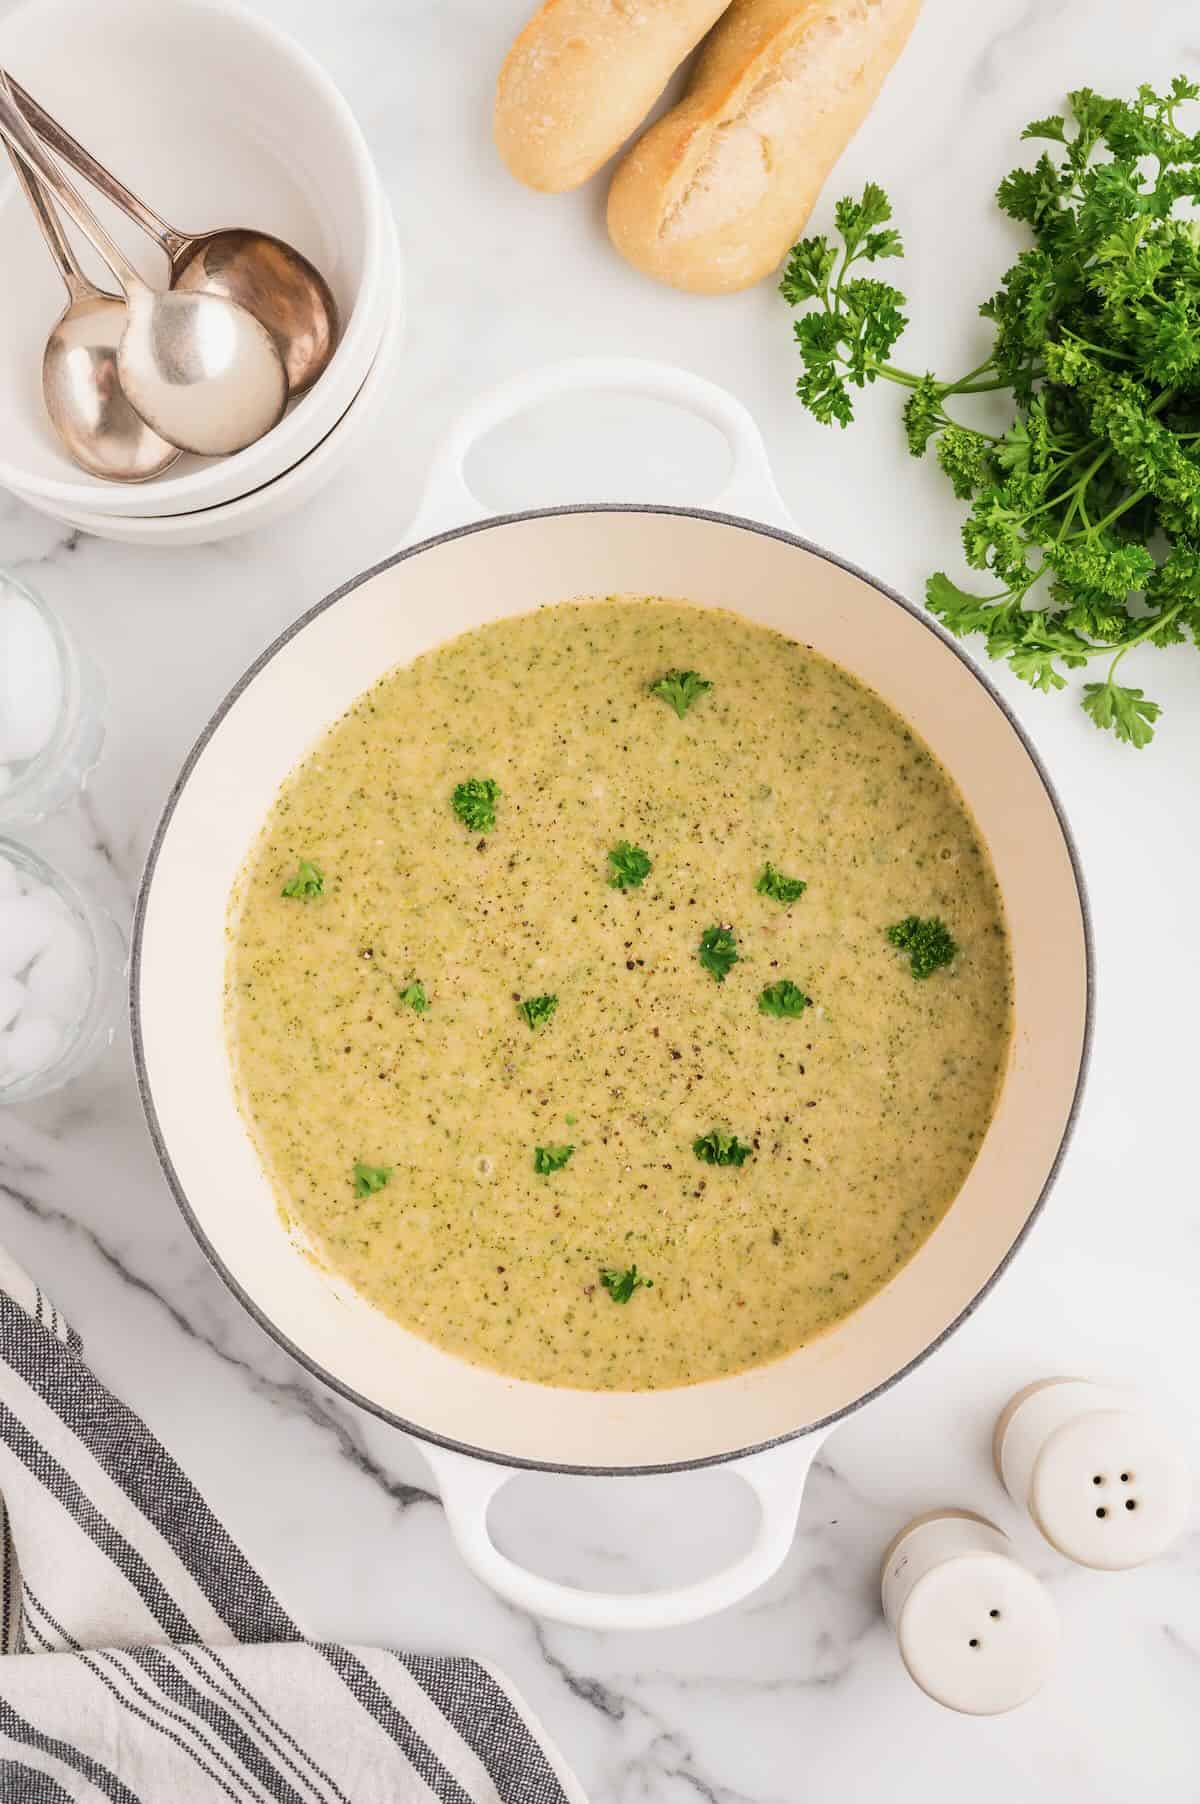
point(618, 994)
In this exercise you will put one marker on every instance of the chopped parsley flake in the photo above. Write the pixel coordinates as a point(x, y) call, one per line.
point(308, 881)
point(785, 999)
point(679, 689)
point(929, 944)
point(538, 1010)
point(550, 1158)
point(621, 1285)
point(716, 1148)
point(718, 951)
point(475, 803)
point(783, 889)
point(414, 995)
point(630, 865)
point(370, 1178)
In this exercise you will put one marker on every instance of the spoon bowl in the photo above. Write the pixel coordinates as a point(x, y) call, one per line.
point(271, 280)
point(200, 370)
point(86, 402)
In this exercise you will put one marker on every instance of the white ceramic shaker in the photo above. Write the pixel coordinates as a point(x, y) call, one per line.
point(976, 1631)
point(1107, 1483)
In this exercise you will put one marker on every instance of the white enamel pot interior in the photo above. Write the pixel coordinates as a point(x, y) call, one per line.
point(476, 1424)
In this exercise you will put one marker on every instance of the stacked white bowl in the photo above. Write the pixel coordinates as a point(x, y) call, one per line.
point(216, 119)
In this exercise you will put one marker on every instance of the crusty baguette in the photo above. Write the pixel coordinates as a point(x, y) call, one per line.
point(582, 76)
point(716, 192)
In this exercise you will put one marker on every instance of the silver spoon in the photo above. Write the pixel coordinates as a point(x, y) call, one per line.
point(83, 395)
point(269, 278)
point(202, 371)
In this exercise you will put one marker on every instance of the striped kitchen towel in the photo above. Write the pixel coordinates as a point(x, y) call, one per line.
point(143, 1659)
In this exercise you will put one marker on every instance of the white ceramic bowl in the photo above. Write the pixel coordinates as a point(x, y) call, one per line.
point(215, 118)
point(274, 499)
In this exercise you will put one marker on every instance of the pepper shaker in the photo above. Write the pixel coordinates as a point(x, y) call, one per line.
point(1107, 1484)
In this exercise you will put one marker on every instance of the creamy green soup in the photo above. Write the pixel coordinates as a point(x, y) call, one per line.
point(428, 1007)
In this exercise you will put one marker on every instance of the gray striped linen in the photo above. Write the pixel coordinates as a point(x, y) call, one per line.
point(144, 1661)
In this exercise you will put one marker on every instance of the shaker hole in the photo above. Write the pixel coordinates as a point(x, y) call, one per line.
point(1098, 1479)
point(974, 1641)
point(1102, 1512)
point(995, 1615)
point(1125, 1477)
point(1131, 1503)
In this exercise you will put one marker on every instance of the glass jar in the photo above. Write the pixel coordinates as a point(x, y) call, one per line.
point(51, 702)
point(62, 964)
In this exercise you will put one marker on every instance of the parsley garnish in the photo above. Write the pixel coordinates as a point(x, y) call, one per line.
point(475, 803)
point(929, 944)
point(630, 865)
point(550, 1158)
point(718, 951)
point(621, 1285)
point(537, 1010)
point(679, 689)
point(370, 1178)
point(308, 881)
point(716, 1148)
point(784, 998)
point(414, 995)
point(1085, 511)
point(773, 883)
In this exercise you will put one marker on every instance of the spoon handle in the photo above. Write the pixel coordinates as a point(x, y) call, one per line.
point(51, 228)
point(85, 164)
point(14, 129)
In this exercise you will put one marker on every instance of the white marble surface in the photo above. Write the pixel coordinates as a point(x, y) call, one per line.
point(799, 1693)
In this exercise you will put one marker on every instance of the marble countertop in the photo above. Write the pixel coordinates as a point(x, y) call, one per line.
point(799, 1693)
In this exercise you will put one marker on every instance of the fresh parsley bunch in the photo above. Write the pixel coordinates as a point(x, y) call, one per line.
point(1086, 511)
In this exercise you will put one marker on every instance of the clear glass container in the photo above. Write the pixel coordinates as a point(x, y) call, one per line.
point(62, 966)
point(51, 705)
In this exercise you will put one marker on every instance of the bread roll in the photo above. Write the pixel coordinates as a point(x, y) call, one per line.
point(582, 76)
point(714, 195)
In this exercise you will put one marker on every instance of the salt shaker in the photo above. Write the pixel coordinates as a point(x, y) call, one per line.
point(51, 698)
point(977, 1632)
point(1107, 1484)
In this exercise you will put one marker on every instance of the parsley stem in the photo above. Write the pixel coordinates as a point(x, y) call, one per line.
point(1122, 508)
point(1151, 627)
point(981, 388)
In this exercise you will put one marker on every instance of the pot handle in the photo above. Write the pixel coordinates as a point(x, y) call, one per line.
point(749, 488)
point(776, 1477)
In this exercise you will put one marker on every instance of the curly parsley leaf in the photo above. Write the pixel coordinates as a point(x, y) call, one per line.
point(679, 689)
point(928, 943)
point(537, 1011)
point(785, 1000)
point(474, 803)
point(550, 1158)
point(621, 1285)
point(1091, 493)
point(773, 883)
point(413, 995)
point(718, 952)
point(716, 1148)
point(308, 882)
point(629, 866)
point(370, 1178)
